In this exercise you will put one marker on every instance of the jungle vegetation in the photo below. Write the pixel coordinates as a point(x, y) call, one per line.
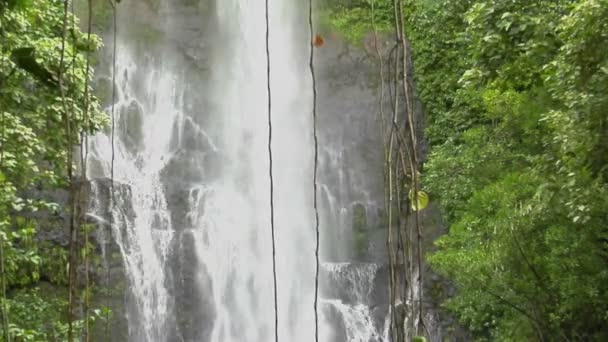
point(46, 110)
point(516, 104)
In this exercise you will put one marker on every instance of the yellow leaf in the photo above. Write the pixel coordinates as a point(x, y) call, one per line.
point(420, 202)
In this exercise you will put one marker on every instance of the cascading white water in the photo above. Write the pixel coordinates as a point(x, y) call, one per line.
point(355, 284)
point(143, 236)
point(358, 322)
point(234, 232)
point(147, 103)
point(357, 280)
point(227, 216)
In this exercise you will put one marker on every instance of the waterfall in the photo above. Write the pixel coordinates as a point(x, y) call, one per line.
point(144, 237)
point(191, 211)
point(234, 241)
point(352, 292)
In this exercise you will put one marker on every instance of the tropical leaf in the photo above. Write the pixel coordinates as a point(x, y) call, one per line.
point(420, 202)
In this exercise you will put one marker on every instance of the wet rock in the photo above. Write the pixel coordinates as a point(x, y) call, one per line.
point(100, 201)
point(130, 129)
point(193, 301)
point(194, 137)
point(379, 314)
point(103, 90)
point(336, 321)
point(354, 283)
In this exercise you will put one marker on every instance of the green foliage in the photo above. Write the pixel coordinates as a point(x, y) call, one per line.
point(102, 13)
point(53, 265)
point(37, 315)
point(517, 119)
point(33, 149)
point(353, 19)
point(35, 318)
point(516, 99)
point(22, 262)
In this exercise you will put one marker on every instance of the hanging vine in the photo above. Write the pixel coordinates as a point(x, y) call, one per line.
point(71, 197)
point(315, 162)
point(392, 253)
point(3, 307)
point(111, 199)
point(84, 143)
point(271, 179)
point(76, 196)
point(4, 310)
point(404, 238)
point(414, 165)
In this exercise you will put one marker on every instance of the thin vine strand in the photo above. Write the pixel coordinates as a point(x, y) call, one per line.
point(272, 228)
point(381, 61)
point(388, 150)
point(390, 239)
point(71, 199)
point(413, 163)
point(3, 307)
point(111, 190)
point(316, 166)
point(389, 141)
point(76, 187)
point(85, 147)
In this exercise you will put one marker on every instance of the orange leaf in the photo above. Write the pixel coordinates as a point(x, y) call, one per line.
point(318, 41)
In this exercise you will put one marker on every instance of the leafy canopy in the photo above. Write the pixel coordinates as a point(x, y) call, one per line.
point(516, 98)
point(33, 150)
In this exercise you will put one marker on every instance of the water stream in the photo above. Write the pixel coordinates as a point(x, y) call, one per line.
point(191, 213)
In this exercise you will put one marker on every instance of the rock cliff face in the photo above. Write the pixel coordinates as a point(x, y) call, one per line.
point(350, 89)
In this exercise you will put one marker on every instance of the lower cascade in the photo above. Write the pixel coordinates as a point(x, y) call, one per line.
point(188, 210)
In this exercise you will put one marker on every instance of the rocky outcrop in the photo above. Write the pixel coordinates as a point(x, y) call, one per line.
point(350, 73)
